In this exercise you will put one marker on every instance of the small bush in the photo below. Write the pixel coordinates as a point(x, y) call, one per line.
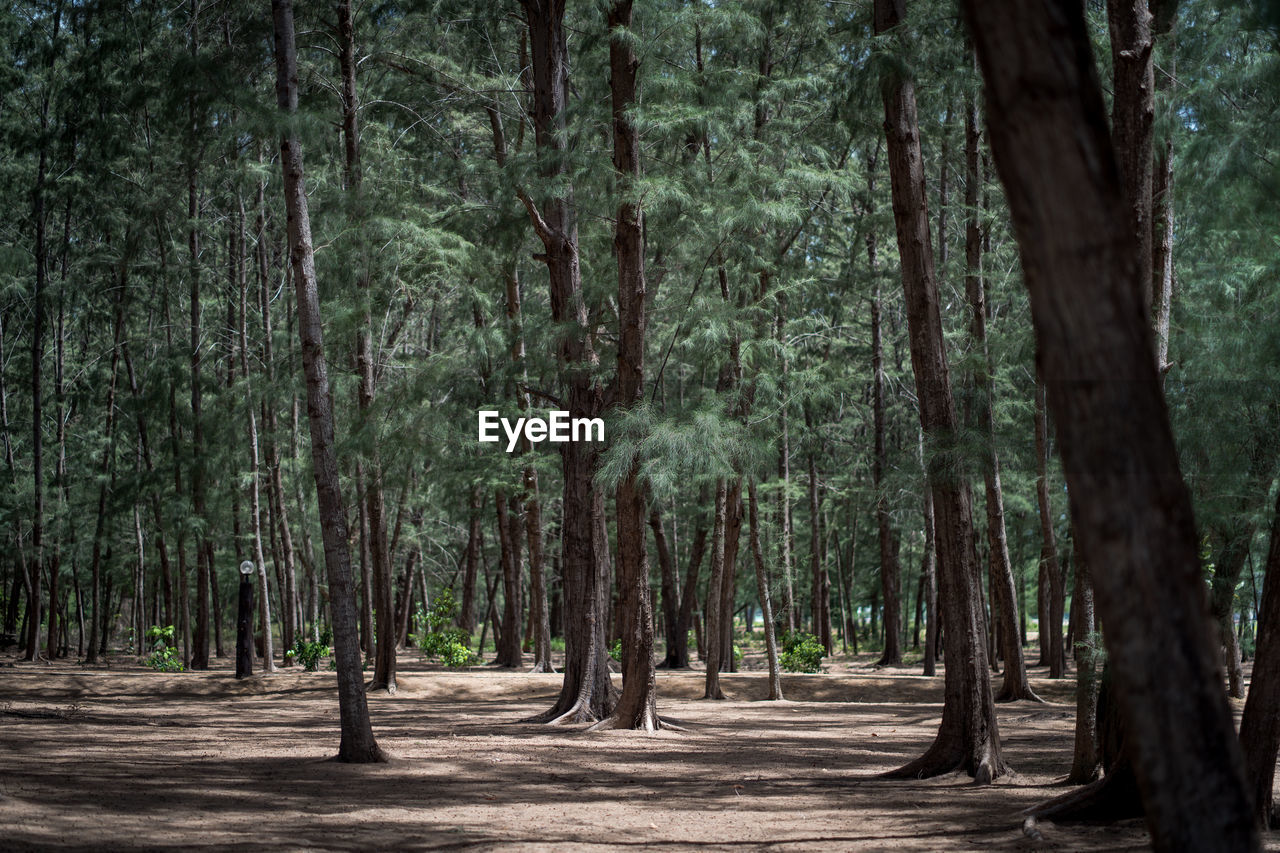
point(308, 654)
point(615, 651)
point(801, 652)
point(436, 636)
point(163, 657)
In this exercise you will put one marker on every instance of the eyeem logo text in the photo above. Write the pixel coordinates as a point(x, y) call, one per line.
point(557, 427)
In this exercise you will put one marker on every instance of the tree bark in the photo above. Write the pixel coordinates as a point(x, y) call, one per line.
point(467, 613)
point(890, 573)
point(586, 693)
point(1084, 761)
point(968, 738)
point(1004, 596)
point(1133, 120)
point(714, 631)
point(358, 744)
point(1080, 258)
point(1260, 725)
point(762, 588)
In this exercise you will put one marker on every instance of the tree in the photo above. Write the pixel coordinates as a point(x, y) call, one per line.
point(586, 694)
point(968, 738)
point(637, 706)
point(358, 744)
point(1081, 262)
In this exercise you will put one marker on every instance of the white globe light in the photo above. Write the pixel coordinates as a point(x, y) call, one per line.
point(246, 568)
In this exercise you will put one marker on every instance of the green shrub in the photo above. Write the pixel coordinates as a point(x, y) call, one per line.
point(615, 651)
point(308, 654)
point(163, 657)
point(801, 652)
point(436, 636)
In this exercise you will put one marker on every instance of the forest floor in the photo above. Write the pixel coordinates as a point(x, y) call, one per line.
point(121, 758)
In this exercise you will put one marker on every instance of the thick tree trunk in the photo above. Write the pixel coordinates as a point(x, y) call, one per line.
point(1080, 259)
point(1260, 725)
point(358, 744)
point(637, 706)
point(586, 693)
point(968, 738)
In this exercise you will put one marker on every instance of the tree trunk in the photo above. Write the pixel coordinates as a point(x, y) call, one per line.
point(968, 738)
point(1003, 595)
point(509, 652)
point(1260, 725)
point(670, 597)
point(467, 613)
point(890, 573)
point(1081, 265)
point(713, 630)
point(1084, 762)
point(637, 706)
point(929, 570)
point(1133, 120)
point(1050, 622)
point(105, 471)
point(358, 744)
point(762, 588)
point(586, 693)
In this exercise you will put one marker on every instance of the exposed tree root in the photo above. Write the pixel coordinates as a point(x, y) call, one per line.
point(946, 756)
point(543, 667)
point(1111, 798)
point(1008, 694)
point(381, 687)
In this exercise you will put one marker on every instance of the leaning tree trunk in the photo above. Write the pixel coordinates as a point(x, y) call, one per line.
point(586, 693)
point(358, 744)
point(1080, 259)
point(1260, 725)
point(968, 738)
point(1133, 120)
point(1004, 595)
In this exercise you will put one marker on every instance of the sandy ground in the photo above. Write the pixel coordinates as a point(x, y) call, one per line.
point(123, 758)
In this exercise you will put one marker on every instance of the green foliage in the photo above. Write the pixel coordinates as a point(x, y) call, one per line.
point(309, 653)
point(436, 636)
point(163, 657)
point(801, 652)
point(615, 651)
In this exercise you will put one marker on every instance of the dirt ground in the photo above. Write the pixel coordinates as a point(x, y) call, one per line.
point(119, 757)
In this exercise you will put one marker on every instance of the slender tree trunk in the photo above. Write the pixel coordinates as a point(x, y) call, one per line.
point(670, 597)
point(1003, 594)
point(821, 582)
point(358, 744)
point(890, 573)
point(1133, 511)
point(96, 639)
point(929, 571)
point(1084, 761)
point(714, 632)
point(509, 653)
point(762, 588)
point(1050, 622)
point(467, 613)
point(968, 738)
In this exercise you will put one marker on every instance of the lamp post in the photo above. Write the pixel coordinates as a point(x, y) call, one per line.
point(244, 622)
